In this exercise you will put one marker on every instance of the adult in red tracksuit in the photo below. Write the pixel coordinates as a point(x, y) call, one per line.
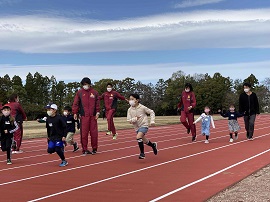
point(186, 106)
point(110, 101)
point(86, 104)
point(18, 113)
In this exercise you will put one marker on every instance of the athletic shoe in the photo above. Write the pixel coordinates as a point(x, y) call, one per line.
point(236, 136)
point(76, 148)
point(9, 162)
point(19, 152)
point(94, 151)
point(155, 150)
point(193, 138)
point(231, 140)
point(206, 141)
point(250, 139)
point(13, 152)
point(64, 163)
point(114, 136)
point(86, 152)
point(109, 133)
point(142, 156)
point(188, 130)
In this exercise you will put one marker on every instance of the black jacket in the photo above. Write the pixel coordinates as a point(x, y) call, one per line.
point(231, 115)
point(9, 124)
point(56, 128)
point(70, 122)
point(248, 104)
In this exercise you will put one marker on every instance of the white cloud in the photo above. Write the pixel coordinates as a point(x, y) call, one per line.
point(197, 29)
point(9, 2)
point(193, 3)
point(145, 73)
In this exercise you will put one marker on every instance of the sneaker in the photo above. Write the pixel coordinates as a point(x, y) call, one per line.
point(114, 136)
point(188, 130)
point(86, 152)
point(193, 138)
point(142, 156)
point(231, 140)
point(76, 148)
point(206, 141)
point(155, 150)
point(9, 162)
point(236, 136)
point(13, 152)
point(109, 132)
point(19, 152)
point(64, 163)
point(250, 139)
point(94, 151)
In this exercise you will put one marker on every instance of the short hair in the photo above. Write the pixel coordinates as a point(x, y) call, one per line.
point(247, 84)
point(135, 95)
point(68, 108)
point(109, 84)
point(86, 80)
point(188, 85)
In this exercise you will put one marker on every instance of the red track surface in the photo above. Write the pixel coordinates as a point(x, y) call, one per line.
point(182, 171)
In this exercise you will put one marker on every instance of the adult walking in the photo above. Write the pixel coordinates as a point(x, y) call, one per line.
point(87, 105)
point(249, 107)
point(18, 113)
point(110, 98)
point(186, 106)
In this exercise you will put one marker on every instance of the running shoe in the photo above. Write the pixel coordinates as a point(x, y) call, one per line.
point(64, 163)
point(155, 150)
point(142, 156)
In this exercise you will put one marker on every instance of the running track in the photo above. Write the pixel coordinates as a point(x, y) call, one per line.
point(182, 171)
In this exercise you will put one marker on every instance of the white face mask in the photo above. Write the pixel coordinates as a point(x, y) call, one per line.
point(65, 113)
point(6, 113)
point(231, 109)
point(187, 90)
point(49, 113)
point(246, 90)
point(207, 111)
point(109, 89)
point(132, 103)
point(85, 87)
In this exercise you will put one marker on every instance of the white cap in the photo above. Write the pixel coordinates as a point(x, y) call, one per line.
point(53, 106)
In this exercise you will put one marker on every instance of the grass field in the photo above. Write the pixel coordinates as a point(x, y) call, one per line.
point(33, 129)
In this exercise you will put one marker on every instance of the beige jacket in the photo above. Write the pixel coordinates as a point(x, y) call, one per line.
point(138, 116)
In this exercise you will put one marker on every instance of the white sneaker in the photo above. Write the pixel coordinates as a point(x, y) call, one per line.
point(13, 152)
point(206, 141)
point(231, 140)
point(18, 152)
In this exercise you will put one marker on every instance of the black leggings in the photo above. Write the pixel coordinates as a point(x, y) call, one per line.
point(6, 145)
point(58, 150)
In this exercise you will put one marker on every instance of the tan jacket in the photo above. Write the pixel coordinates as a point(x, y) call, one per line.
point(138, 116)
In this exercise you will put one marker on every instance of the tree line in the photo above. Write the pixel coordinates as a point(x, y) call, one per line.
point(217, 91)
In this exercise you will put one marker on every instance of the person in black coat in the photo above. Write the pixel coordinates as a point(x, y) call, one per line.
point(249, 107)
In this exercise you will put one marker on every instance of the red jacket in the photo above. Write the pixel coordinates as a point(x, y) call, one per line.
point(17, 112)
point(187, 99)
point(110, 99)
point(86, 102)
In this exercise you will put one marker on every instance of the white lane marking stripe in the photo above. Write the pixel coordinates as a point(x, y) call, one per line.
point(142, 169)
point(207, 177)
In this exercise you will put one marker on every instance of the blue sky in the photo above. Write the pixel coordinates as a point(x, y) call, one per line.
point(144, 40)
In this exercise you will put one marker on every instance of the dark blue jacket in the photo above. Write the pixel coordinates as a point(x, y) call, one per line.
point(231, 115)
point(70, 122)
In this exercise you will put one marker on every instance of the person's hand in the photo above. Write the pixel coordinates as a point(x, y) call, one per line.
point(190, 107)
point(5, 131)
point(63, 139)
point(75, 116)
point(97, 115)
point(219, 110)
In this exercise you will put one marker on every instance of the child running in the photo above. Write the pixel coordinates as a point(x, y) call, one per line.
point(206, 120)
point(56, 131)
point(233, 123)
point(8, 126)
point(137, 115)
point(70, 122)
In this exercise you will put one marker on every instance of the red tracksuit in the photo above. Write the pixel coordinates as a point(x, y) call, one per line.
point(110, 101)
point(188, 99)
point(86, 104)
point(18, 113)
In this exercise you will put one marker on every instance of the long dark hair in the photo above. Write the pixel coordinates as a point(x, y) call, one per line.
point(188, 85)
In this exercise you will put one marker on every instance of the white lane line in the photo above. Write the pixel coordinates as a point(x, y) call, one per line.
point(207, 177)
point(139, 170)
